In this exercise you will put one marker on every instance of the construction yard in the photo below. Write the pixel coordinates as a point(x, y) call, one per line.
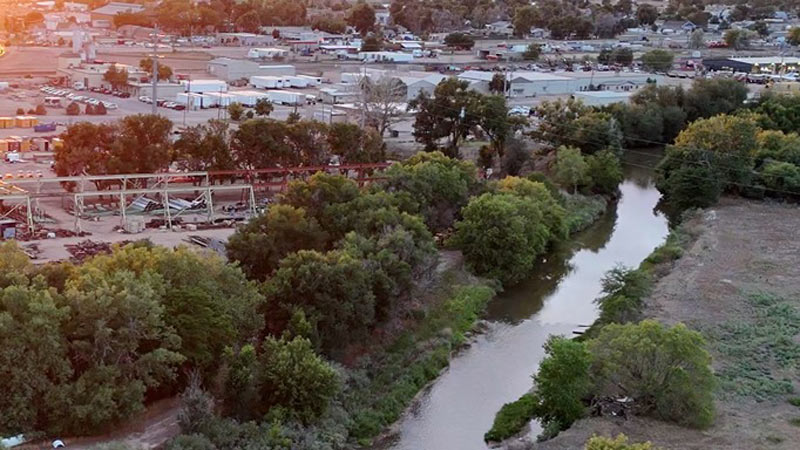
point(58, 218)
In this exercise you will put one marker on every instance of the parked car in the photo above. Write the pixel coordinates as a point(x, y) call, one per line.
point(145, 99)
point(109, 105)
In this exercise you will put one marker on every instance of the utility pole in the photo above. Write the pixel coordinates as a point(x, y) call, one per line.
point(155, 71)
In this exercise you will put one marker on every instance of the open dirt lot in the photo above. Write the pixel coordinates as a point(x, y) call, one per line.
point(739, 284)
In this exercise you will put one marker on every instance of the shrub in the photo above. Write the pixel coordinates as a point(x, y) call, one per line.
point(665, 370)
point(260, 245)
point(605, 172)
point(73, 109)
point(41, 110)
point(511, 418)
point(292, 376)
point(623, 293)
point(20, 111)
point(562, 382)
point(501, 235)
point(570, 167)
point(782, 177)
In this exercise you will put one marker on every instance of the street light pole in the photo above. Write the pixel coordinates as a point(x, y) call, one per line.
point(155, 71)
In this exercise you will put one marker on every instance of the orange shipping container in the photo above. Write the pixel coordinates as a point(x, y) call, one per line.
point(3, 146)
point(23, 122)
point(7, 122)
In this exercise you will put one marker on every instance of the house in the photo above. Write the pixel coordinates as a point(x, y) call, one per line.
point(502, 27)
point(677, 26)
point(108, 11)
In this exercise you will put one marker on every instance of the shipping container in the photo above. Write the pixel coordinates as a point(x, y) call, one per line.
point(286, 97)
point(297, 82)
point(312, 81)
point(267, 82)
point(7, 122)
point(202, 86)
point(23, 122)
point(249, 98)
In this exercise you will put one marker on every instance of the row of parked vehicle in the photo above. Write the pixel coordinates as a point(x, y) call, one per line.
point(163, 103)
point(65, 93)
point(119, 94)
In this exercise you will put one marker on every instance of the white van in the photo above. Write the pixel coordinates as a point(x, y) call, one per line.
point(53, 102)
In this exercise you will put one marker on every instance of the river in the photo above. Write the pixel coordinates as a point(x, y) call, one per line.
point(455, 412)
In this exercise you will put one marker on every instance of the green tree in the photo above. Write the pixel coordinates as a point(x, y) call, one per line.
point(553, 213)
point(164, 71)
point(783, 177)
point(117, 78)
point(501, 235)
point(371, 43)
point(439, 185)
point(570, 167)
point(292, 376)
point(761, 28)
point(261, 142)
point(460, 41)
point(736, 38)
point(562, 382)
point(15, 265)
point(205, 147)
point(319, 194)
point(450, 113)
point(665, 370)
point(793, 37)
point(525, 18)
point(30, 325)
point(260, 245)
point(207, 313)
point(498, 83)
point(697, 39)
point(714, 154)
point(708, 98)
point(333, 290)
point(532, 52)
point(658, 60)
point(263, 107)
point(362, 17)
point(646, 14)
point(605, 171)
point(235, 111)
point(73, 109)
point(143, 144)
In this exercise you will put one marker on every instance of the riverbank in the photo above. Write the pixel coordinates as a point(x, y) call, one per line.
point(417, 357)
point(738, 283)
point(458, 408)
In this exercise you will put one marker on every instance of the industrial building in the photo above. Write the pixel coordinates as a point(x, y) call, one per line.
point(763, 65)
point(230, 69)
point(533, 84)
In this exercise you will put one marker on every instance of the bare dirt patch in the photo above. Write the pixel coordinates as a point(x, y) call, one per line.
point(739, 285)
